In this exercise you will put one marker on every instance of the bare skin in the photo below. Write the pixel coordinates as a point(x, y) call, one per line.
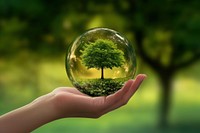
point(65, 102)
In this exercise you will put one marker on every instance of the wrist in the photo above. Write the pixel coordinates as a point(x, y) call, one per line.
point(29, 117)
point(39, 112)
point(45, 108)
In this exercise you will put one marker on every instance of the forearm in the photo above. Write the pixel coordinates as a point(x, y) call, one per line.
point(29, 117)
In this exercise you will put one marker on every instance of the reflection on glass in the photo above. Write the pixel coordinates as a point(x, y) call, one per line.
point(99, 62)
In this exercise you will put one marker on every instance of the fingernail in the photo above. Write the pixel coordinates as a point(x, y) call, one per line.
point(144, 76)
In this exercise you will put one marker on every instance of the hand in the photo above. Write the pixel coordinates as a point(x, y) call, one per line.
point(69, 102)
point(66, 102)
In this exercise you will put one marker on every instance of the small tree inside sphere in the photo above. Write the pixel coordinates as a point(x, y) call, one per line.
point(102, 54)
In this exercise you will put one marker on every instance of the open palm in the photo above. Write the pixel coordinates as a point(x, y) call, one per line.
point(72, 103)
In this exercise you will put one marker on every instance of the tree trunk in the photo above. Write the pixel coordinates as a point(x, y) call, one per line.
point(165, 100)
point(102, 77)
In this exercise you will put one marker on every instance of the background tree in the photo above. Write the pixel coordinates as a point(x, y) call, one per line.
point(102, 54)
point(167, 38)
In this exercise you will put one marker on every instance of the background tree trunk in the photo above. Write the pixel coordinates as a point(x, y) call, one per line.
point(165, 103)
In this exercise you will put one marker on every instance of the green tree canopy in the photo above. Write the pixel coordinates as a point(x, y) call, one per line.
point(102, 54)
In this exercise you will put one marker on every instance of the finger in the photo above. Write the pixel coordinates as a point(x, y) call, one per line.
point(114, 98)
point(131, 90)
point(134, 87)
point(103, 103)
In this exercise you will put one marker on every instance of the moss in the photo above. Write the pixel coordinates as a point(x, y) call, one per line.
point(99, 87)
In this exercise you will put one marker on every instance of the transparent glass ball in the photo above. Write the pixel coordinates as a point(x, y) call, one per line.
point(100, 61)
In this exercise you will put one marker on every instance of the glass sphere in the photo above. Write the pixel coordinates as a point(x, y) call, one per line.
point(100, 61)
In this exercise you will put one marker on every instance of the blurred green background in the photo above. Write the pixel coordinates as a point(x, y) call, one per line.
point(34, 36)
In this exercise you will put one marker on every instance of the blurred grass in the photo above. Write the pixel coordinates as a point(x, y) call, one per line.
point(24, 79)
